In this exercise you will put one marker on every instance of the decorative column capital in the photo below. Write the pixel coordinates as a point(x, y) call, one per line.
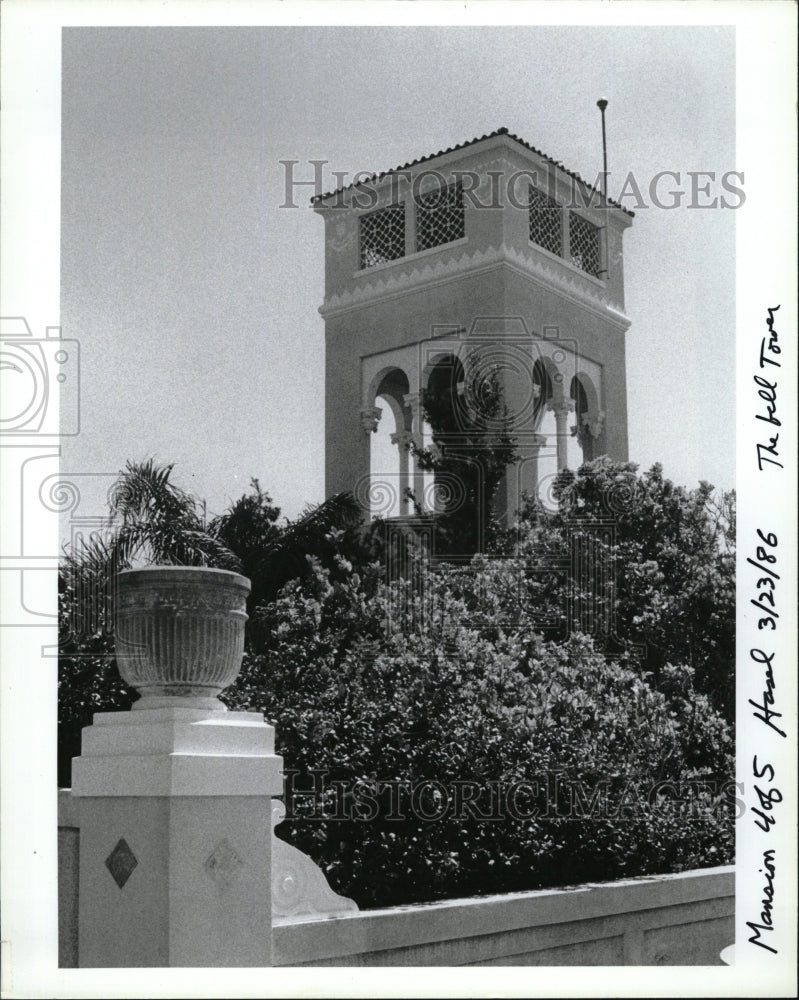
point(403, 439)
point(370, 417)
point(413, 402)
point(561, 407)
point(594, 422)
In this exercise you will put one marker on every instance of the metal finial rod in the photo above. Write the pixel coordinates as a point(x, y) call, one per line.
point(602, 104)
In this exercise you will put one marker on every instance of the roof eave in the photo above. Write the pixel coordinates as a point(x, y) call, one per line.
point(319, 200)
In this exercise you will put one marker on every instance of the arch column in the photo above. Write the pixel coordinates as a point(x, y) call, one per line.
point(413, 401)
point(402, 439)
point(562, 408)
point(537, 442)
point(593, 424)
point(370, 418)
point(589, 418)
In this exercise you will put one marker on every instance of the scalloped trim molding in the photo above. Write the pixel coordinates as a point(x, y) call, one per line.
point(549, 274)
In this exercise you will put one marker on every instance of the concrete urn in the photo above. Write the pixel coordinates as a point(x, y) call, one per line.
point(179, 633)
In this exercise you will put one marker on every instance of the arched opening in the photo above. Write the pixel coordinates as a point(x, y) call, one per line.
point(546, 428)
point(445, 406)
point(577, 444)
point(388, 448)
point(581, 442)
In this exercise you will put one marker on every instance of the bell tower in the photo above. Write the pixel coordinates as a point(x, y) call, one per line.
point(489, 253)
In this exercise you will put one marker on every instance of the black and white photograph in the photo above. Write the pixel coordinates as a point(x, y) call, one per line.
point(399, 499)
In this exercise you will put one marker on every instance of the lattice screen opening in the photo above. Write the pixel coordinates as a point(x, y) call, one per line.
point(545, 222)
point(440, 217)
point(584, 244)
point(382, 236)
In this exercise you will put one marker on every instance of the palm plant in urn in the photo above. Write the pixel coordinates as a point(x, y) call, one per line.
point(179, 602)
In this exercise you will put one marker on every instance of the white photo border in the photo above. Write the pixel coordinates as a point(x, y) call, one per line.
point(766, 277)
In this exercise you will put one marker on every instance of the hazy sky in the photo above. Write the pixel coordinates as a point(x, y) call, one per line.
point(194, 295)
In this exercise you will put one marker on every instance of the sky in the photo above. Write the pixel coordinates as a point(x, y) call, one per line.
point(194, 294)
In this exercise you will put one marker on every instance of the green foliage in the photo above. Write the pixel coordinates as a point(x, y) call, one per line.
point(661, 572)
point(88, 679)
point(248, 528)
point(442, 681)
point(358, 697)
point(152, 521)
point(272, 554)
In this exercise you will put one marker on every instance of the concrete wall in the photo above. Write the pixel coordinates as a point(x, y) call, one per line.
point(683, 919)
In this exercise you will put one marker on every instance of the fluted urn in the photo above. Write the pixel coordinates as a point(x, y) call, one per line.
point(180, 633)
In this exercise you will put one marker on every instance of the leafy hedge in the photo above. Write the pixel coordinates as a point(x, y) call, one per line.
point(647, 563)
point(464, 757)
point(460, 734)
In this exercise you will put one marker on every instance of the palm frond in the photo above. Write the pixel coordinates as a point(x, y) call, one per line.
point(152, 521)
point(285, 557)
point(339, 511)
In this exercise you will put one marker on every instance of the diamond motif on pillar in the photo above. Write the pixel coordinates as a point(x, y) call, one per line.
point(121, 862)
point(223, 864)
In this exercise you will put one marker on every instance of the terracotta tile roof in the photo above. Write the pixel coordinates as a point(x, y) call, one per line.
point(463, 145)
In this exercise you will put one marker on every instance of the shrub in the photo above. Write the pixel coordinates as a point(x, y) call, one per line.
point(456, 719)
point(646, 563)
point(455, 749)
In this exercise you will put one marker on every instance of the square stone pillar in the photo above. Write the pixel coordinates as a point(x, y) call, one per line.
point(175, 838)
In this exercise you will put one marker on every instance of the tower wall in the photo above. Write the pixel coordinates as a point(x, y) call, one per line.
point(405, 320)
point(561, 293)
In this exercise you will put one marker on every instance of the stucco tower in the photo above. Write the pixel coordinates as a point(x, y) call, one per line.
point(489, 251)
